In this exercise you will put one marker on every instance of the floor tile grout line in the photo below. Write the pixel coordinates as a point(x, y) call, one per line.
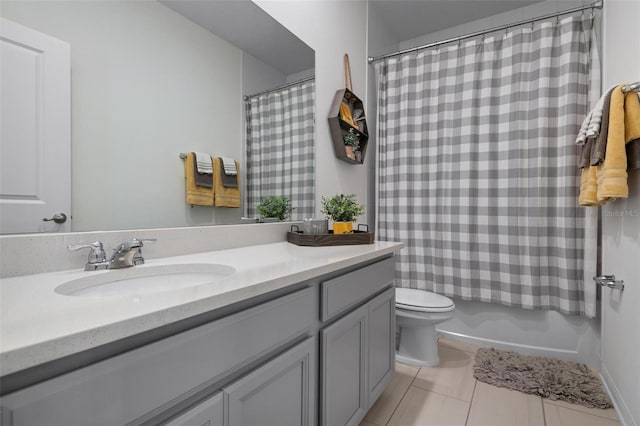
point(440, 393)
point(473, 395)
point(543, 401)
point(444, 394)
point(582, 412)
point(553, 402)
point(401, 399)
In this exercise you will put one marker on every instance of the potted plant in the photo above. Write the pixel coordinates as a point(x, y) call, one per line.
point(275, 206)
point(351, 143)
point(343, 210)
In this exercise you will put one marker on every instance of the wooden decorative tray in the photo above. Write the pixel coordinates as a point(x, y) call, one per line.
point(295, 236)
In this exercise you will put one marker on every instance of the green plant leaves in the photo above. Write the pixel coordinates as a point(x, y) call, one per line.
point(342, 208)
point(277, 206)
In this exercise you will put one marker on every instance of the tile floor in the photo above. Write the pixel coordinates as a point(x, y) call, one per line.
point(449, 395)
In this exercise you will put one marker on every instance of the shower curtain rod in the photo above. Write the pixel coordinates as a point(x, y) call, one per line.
point(284, 86)
point(596, 5)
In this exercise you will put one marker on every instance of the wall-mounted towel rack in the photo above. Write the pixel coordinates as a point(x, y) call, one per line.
point(634, 87)
point(609, 281)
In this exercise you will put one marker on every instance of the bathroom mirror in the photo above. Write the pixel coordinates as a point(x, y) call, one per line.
point(151, 80)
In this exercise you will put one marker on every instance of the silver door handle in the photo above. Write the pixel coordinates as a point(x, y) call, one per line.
point(57, 218)
point(609, 281)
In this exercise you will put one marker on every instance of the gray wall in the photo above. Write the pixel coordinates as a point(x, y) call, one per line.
point(258, 76)
point(380, 41)
point(621, 232)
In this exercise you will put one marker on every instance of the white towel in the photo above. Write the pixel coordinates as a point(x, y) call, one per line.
point(591, 124)
point(229, 165)
point(582, 133)
point(593, 130)
point(204, 163)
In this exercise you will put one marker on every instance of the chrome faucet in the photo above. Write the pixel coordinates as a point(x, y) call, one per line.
point(125, 255)
point(128, 254)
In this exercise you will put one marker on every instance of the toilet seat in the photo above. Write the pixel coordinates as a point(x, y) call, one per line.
point(422, 301)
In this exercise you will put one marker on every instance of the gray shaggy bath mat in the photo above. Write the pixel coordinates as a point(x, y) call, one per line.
point(550, 378)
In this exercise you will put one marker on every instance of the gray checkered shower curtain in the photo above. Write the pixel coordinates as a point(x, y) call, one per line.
point(280, 148)
point(477, 166)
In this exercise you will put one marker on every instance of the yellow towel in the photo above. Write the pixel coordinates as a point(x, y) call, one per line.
point(588, 187)
point(624, 126)
point(196, 195)
point(225, 197)
point(631, 116)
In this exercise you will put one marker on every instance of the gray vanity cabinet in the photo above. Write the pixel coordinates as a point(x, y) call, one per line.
point(280, 393)
point(382, 334)
point(207, 413)
point(142, 385)
point(344, 369)
point(357, 350)
point(321, 354)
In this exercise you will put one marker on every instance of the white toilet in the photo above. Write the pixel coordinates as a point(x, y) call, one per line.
point(417, 313)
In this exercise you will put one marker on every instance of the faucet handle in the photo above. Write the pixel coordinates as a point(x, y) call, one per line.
point(95, 247)
point(139, 243)
point(97, 257)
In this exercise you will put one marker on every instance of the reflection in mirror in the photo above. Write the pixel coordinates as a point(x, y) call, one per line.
point(280, 131)
point(150, 80)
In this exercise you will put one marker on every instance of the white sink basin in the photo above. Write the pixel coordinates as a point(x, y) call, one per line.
point(145, 279)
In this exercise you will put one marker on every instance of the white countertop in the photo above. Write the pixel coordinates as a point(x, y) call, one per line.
point(39, 325)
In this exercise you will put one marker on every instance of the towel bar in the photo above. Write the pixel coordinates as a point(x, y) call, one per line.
point(609, 281)
point(634, 87)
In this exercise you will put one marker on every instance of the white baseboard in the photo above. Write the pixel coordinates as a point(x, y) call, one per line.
point(622, 410)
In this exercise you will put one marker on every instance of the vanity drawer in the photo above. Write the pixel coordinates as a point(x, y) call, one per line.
point(346, 291)
point(123, 388)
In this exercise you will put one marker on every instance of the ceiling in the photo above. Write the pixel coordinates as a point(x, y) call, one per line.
point(407, 19)
point(264, 38)
point(246, 26)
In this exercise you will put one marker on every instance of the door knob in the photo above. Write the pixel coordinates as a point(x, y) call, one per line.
point(57, 218)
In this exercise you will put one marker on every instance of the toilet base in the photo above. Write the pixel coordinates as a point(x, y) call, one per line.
point(418, 343)
point(417, 362)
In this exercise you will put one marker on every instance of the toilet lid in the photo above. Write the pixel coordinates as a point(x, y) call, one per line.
point(422, 300)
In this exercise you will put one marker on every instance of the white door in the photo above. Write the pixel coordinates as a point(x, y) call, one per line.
point(35, 135)
point(621, 233)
